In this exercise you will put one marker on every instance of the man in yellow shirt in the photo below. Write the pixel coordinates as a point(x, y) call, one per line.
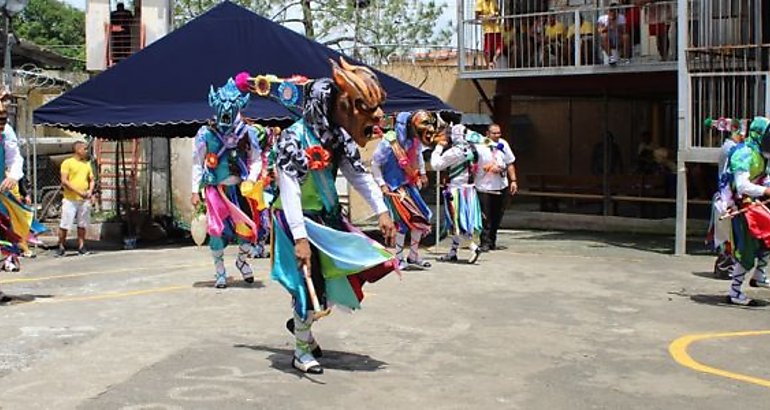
point(489, 14)
point(77, 180)
point(555, 32)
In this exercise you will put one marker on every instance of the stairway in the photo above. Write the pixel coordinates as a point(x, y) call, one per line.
point(121, 171)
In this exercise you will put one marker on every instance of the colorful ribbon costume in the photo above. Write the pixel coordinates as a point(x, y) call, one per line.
point(226, 166)
point(462, 211)
point(398, 167)
point(308, 155)
point(747, 180)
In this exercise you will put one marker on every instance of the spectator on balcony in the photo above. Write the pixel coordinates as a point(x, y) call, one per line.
point(660, 15)
point(555, 33)
point(586, 42)
point(612, 29)
point(121, 22)
point(489, 13)
point(633, 16)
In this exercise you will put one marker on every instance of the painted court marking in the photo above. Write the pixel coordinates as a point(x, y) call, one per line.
point(678, 350)
point(116, 295)
point(93, 273)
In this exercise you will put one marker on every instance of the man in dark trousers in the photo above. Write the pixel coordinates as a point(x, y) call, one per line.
point(121, 21)
point(495, 180)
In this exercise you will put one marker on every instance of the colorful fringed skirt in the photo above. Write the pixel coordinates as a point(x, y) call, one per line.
point(17, 226)
point(462, 211)
point(408, 210)
point(343, 260)
point(230, 216)
point(751, 234)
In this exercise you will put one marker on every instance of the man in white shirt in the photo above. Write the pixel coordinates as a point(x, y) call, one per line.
point(612, 28)
point(495, 179)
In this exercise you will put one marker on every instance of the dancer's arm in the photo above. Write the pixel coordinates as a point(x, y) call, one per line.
point(13, 159)
point(746, 187)
point(291, 200)
point(365, 184)
point(376, 167)
point(198, 155)
point(441, 160)
point(255, 156)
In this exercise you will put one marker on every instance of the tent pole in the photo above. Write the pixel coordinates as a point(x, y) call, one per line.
point(149, 173)
point(169, 194)
point(438, 211)
point(127, 195)
point(118, 144)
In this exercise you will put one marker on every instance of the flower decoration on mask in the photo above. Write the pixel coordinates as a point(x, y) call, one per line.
point(262, 86)
point(227, 102)
point(318, 157)
point(288, 93)
point(212, 160)
point(242, 81)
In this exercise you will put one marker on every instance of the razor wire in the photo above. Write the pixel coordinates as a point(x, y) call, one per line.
point(32, 76)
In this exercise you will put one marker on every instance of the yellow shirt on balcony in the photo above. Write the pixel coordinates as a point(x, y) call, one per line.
point(586, 29)
point(554, 31)
point(487, 9)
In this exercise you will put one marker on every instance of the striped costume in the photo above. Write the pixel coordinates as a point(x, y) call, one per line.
point(226, 167)
point(398, 167)
point(748, 180)
point(462, 211)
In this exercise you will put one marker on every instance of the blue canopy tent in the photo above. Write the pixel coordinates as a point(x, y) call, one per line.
point(162, 90)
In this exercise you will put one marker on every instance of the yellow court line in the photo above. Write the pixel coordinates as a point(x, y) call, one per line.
point(119, 294)
point(678, 350)
point(101, 272)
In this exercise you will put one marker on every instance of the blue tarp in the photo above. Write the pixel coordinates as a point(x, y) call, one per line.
point(162, 90)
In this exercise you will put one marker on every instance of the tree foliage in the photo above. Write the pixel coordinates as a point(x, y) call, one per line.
point(371, 29)
point(53, 24)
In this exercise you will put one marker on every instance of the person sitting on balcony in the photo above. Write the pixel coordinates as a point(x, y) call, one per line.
point(586, 42)
point(487, 11)
point(121, 21)
point(612, 28)
point(555, 33)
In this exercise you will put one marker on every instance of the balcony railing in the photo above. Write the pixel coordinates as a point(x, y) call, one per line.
point(552, 41)
point(123, 40)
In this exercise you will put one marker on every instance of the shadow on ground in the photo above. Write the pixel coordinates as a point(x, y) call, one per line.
point(710, 275)
point(7, 300)
point(280, 359)
point(722, 301)
point(642, 242)
point(231, 283)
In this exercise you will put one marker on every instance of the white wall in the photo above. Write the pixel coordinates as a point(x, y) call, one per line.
point(156, 17)
point(97, 15)
point(181, 177)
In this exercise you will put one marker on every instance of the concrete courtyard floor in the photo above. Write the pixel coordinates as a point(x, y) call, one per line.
point(556, 321)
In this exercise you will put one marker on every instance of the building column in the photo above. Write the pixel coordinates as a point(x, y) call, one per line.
point(680, 242)
point(502, 110)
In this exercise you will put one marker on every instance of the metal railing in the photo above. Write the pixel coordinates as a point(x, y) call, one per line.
point(124, 39)
point(583, 36)
point(728, 57)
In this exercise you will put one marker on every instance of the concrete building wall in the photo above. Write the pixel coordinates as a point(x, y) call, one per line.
point(181, 178)
point(97, 16)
